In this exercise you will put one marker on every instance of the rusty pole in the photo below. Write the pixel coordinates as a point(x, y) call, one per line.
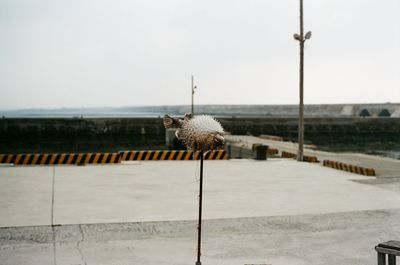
point(198, 262)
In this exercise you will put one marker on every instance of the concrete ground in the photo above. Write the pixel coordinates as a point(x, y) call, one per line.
point(257, 212)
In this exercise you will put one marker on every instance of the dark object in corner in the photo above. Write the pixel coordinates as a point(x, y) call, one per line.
point(390, 248)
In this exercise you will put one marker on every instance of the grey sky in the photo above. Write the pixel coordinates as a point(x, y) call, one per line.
point(116, 53)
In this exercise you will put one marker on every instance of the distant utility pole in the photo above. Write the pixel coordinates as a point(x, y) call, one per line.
point(193, 88)
point(301, 38)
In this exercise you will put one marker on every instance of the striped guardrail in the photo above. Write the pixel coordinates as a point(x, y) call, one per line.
point(60, 159)
point(272, 151)
point(311, 159)
point(288, 155)
point(349, 168)
point(107, 158)
point(172, 155)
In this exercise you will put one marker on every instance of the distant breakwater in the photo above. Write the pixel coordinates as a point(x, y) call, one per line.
point(32, 135)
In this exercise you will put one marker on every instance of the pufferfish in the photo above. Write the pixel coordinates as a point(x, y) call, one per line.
point(200, 132)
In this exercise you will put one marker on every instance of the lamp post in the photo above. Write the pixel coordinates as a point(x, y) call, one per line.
point(301, 38)
point(193, 88)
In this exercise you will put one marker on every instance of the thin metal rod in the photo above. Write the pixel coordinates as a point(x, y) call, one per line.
point(192, 95)
point(198, 262)
point(301, 107)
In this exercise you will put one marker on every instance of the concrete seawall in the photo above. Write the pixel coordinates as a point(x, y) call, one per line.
point(23, 135)
point(342, 134)
point(77, 134)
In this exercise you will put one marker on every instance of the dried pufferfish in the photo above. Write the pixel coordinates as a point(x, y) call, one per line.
point(201, 132)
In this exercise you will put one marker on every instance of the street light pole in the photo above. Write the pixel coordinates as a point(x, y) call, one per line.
point(301, 38)
point(301, 107)
point(193, 88)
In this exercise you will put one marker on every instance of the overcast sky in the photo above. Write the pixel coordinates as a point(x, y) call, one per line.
point(85, 53)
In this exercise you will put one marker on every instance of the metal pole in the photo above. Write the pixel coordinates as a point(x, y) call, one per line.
point(192, 96)
point(198, 262)
point(301, 107)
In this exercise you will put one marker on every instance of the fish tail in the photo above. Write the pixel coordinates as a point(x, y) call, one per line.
point(168, 121)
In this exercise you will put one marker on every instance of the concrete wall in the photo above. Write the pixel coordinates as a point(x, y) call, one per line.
point(112, 134)
point(71, 135)
point(363, 134)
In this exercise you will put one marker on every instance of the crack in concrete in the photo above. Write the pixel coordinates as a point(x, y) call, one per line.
point(78, 244)
point(52, 216)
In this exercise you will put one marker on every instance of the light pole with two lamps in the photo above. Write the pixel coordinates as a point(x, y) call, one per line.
point(193, 88)
point(301, 38)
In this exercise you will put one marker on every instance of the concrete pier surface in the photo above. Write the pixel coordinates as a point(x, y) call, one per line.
point(257, 212)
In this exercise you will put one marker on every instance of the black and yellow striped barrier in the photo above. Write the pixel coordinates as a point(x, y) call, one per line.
point(349, 168)
point(172, 155)
point(288, 155)
point(107, 158)
point(311, 159)
point(60, 159)
point(272, 151)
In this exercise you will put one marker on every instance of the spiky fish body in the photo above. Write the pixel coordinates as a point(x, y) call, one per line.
point(201, 132)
